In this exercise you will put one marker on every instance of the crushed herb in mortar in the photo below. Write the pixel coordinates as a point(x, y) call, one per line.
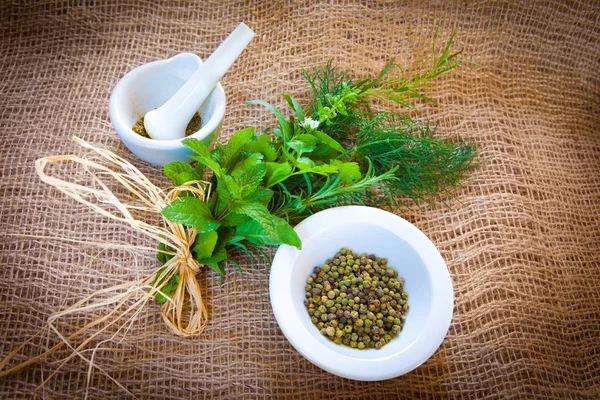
point(192, 127)
point(357, 301)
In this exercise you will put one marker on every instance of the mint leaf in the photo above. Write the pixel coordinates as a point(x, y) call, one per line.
point(190, 211)
point(263, 145)
point(168, 288)
point(216, 262)
point(286, 233)
point(261, 195)
point(224, 193)
point(254, 232)
point(258, 234)
point(180, 172)
point(218, 255)
point(219, 267)
point(234, 145)
point(256, 211)
point(161, 256)
point(250, 179)
point(277, 172)
point(225, 235)
point(233, 219)
point(202, 155)
point(273, 230)
point(247, 163)
point(232, 186)
point(204, 244)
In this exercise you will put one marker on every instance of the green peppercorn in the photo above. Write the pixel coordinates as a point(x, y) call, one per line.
point(356, 300)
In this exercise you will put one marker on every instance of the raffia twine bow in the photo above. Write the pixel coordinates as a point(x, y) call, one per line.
point(184, 312)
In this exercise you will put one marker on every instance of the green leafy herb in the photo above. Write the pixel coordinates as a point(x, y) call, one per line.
point(334, 150)
point(192, 212)
point(167, 288)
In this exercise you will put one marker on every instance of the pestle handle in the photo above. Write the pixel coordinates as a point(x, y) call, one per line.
point(170, 120)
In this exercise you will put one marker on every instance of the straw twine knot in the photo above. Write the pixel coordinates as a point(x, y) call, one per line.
point(184, 257)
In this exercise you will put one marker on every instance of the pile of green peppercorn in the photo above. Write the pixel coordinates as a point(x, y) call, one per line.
point(356, 300)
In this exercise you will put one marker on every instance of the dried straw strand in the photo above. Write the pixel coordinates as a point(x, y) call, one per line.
point(184, 312)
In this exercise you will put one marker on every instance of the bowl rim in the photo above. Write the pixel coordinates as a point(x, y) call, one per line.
point(436, 324)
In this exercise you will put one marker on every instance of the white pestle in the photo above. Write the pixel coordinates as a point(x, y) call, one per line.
point(170, 120)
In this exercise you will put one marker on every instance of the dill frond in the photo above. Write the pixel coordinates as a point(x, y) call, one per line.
point(425, 165)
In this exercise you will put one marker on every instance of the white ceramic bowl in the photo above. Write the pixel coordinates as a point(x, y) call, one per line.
point(409, 251)
point(150, 86)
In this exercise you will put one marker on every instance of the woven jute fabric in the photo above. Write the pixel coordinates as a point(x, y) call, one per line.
point(521, 239)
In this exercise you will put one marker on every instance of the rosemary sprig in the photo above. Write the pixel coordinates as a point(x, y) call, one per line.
point(402, 89)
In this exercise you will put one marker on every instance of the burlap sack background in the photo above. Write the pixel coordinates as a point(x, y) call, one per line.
point(522, 239)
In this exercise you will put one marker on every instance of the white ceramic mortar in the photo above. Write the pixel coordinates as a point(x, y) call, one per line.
point(148, 87)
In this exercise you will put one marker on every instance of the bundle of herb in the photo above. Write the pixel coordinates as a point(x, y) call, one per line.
point(334, 151)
